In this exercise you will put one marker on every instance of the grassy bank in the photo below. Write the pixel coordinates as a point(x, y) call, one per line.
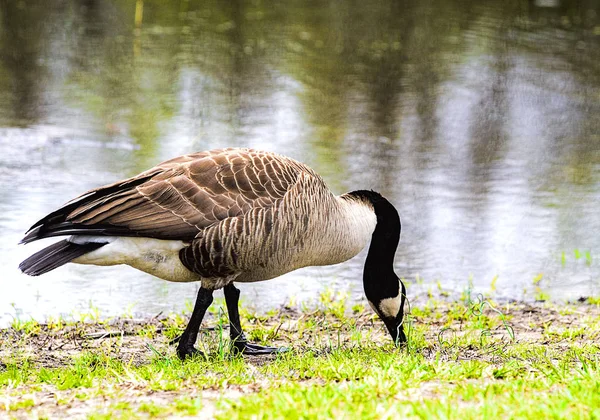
point(464, 360)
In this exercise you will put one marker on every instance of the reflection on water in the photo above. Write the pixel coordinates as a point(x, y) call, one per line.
point(479, 121)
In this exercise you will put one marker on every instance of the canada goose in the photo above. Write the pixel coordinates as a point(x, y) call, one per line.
point(225, 216)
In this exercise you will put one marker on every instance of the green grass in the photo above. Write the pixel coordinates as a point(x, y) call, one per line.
point(401, 396)
point(466, 359)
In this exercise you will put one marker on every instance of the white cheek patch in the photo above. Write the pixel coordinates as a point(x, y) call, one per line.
point(390, 307)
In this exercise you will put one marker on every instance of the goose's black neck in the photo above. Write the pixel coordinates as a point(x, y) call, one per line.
point(379, 278)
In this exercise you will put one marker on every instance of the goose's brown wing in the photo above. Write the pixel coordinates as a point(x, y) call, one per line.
point(178, 198)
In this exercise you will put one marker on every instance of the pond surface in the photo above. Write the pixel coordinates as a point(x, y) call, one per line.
point(479, 120)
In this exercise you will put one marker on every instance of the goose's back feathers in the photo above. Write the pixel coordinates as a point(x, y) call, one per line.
point(178, 198)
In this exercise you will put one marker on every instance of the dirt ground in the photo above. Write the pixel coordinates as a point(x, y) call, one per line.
point(49, 347)
point(125, 339)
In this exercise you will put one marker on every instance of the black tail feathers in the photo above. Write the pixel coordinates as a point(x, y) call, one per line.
point(54, 256)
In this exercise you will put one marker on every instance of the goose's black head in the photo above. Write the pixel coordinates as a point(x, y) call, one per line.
point(384, 290)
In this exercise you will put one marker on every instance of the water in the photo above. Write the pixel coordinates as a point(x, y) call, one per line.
point(479, 120)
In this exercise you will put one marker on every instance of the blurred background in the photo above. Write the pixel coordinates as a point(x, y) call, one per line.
point(479, 120)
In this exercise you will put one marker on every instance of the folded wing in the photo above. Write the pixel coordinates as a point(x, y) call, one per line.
point(178, 198)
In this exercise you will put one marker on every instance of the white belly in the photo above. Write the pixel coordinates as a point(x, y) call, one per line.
point(153, 256)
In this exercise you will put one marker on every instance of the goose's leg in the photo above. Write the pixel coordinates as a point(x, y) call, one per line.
point(186, 348)
point(240, 343)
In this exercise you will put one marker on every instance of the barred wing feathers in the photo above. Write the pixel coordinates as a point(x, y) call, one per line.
point(179, 198)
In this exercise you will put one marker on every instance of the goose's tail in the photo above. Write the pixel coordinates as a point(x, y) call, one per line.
point(55, 255)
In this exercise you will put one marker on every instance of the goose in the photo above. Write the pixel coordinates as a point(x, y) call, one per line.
point(222, 217)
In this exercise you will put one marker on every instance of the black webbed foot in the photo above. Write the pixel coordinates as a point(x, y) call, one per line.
point(187, 352)
point(240, 344)
point(251, 349)
point(183, 351)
